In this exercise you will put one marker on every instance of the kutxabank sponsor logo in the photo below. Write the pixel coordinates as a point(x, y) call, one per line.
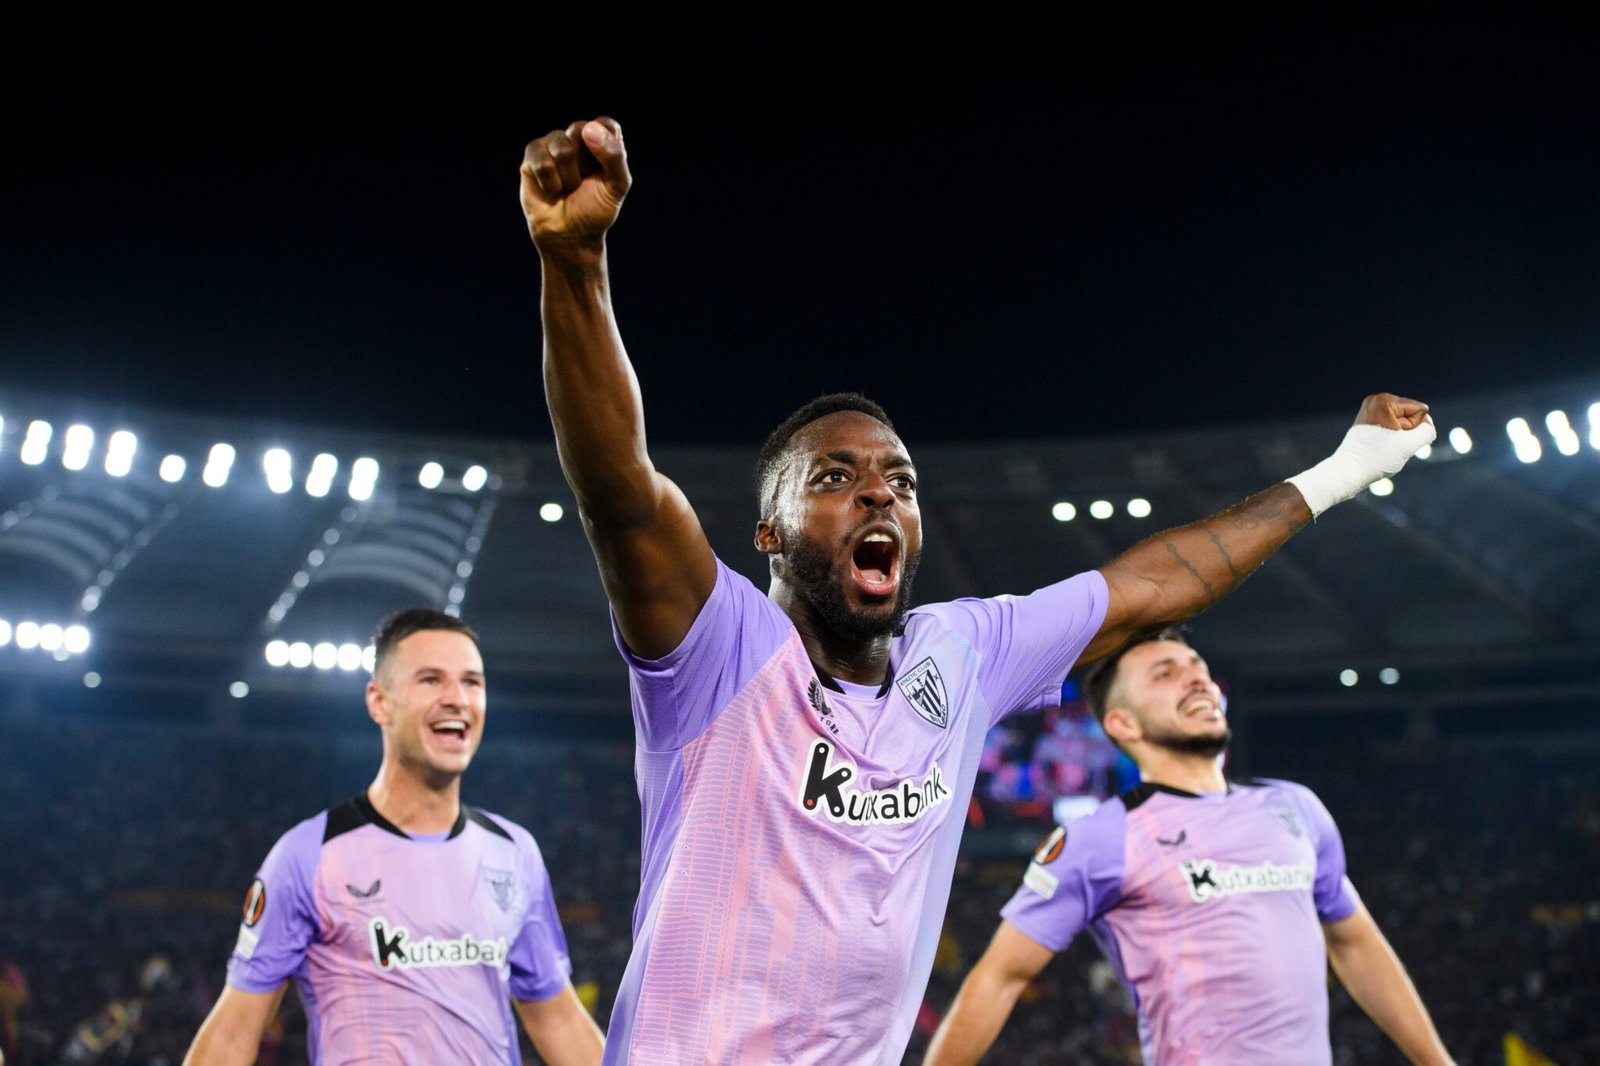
point(903, 801)
point(394, 949)
point(1206, 880)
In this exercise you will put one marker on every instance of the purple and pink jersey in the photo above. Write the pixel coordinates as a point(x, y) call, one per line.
point(404, 948)
point(800, 834)
point(1209, 907)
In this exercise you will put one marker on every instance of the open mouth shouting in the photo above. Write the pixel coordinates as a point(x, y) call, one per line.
point(875, 563)
point(450, 734)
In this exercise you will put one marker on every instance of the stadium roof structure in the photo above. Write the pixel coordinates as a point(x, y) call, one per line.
point(1475, 583)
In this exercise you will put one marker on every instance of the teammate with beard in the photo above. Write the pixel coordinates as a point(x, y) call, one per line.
point(805, 757)
point(1218, 902)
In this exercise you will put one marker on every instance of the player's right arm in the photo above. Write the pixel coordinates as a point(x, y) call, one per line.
point(231, 1033)
point(986, 998)
point(654, 559)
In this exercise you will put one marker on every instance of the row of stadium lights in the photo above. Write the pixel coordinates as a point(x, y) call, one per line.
point(1388, 676)
point(323, 656)
point(60, 641)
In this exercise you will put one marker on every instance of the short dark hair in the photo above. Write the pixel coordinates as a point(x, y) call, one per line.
point(1098, 679)
point(777, 441)
point(402, 623)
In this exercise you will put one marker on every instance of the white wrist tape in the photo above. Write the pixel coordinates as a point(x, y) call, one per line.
point(1366, 454)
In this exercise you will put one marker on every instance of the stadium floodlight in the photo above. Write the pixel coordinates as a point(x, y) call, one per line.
point(320, 478)
point(349, 657)
point(91, 598)
point(300, 655)
point(1460, 440)
point(1381, 487)
point(172, 469)
point(1102, 509)
point(1139, 507)
point(1348, 678)
point(369, 658)
point(75, 639)
point(91, 680)
point(51, 637)
point(1561, 431)
point(456, 595)
point(35, 443)
point(363, 478)
point(26, 634)
point(551, 512)
point(78, 443)
point(5, 632)
point(238, 690)
point(464, 569)
point(119, 453)
point(277, 652)
point(1523, 442)
point(1063, 512)
point(325, 656)
point(1389, 675)
point(1425, 452)
point(475, 478)
point(278, 467)
point(1594, 425)
point(218, 464)
point(431, 476)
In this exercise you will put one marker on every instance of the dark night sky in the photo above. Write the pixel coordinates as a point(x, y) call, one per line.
point(1004, 233)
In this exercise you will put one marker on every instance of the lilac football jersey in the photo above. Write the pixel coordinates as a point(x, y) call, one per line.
point(800, 834)
point(404, 949)
point(1210, 909)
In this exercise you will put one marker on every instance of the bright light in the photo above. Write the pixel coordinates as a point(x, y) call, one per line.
point(551, 512)
point(1381, 487)
point(79, 442)
point(300, 654)
point(324, 656)
point(35, 443)
point(431, 476)
point(1102, 509)
point(1139, 507)
point(76, 639)
point(27, 635)
point(363, 478)
point(1460, 440)
point(1561, 431)
point(474, 479)
point(349, 657)
point(1523, 441)
point(320, 479)
point(277, 464)
point(1348, 678)
point(1063, 512)
point(218, 464)
point(238, 690)
point(369, 658)
point(5, 632)
point(1389, 675)
point(1425, 452)
point(91, 598)
point(277, 653)
point(51, 637)
point(91, 680)
point(457, 594)
point(1594, 425)
point(172, 469)
point(119, 453)
point(463, 569)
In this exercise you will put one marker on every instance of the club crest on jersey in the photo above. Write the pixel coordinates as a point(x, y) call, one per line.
point(1291, 821)
point(825, 789)
point(394, 949)
point(923, 688)
point(1206, 880)
point(502, 885)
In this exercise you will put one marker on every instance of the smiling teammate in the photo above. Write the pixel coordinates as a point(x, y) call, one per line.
point(805, 757)
point(1219, 903)
point(409, 921)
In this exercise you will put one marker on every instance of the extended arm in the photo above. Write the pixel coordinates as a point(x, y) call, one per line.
point(986, 998)
point(1373, 975)
point(1179, 572)
point(654, 559)
point(231, 1033)
point(561, 1030)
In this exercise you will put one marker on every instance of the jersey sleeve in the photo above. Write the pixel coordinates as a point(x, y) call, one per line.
point(1074, 878)
point(1026, 645)
point(1334, 895)
point(280, 914)
point(540, 964)
point(678, 695)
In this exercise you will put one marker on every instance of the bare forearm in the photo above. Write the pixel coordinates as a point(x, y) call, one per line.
point(1372, 973)
point(562, 1031)
point(976, 1017)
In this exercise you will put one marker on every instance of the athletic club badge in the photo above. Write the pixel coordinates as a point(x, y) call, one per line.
point(923, 688)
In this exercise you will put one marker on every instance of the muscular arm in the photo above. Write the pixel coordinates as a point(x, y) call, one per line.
point(654, 559)
point(1373, 975)
point(231, 1033)
point(986, 998)
point(1179, 572)
point(561, 1030)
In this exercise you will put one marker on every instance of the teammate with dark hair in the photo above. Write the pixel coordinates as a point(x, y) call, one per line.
point(410, 922)
point(1218, 902)
point(805, 757)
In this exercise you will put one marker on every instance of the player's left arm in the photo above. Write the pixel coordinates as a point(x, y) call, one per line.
point(1179, 572)
point(1372, 973)
point(562, 1031)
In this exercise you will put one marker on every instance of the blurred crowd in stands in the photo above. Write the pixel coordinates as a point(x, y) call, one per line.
point(125, 854)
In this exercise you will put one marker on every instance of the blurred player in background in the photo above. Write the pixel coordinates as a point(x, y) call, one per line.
point(1219, 901)
point(410, 922)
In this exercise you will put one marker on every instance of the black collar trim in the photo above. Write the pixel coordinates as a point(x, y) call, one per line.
point(370, 813)
point(830, 682)
point(1139, 793)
